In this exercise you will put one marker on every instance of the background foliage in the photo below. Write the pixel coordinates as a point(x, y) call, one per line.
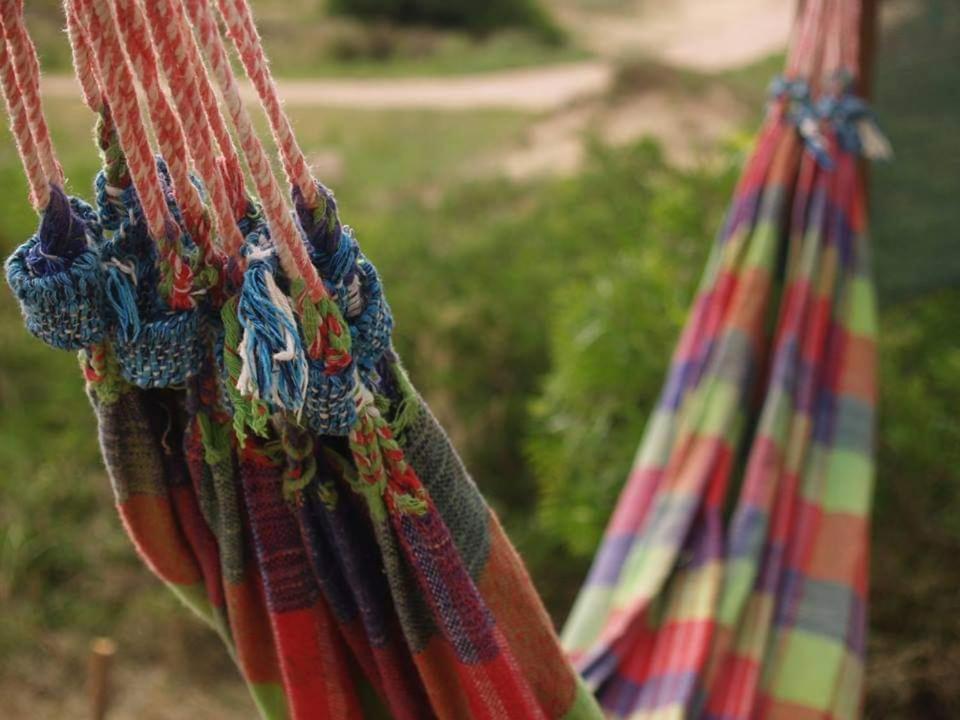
point(467, 14)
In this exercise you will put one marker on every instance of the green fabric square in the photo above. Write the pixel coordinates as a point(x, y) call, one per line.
point(762, 251)
point(738, 583)
point(849, 483)
point(654, 452)
point(862, 311)
point(808, 670)
point(722, 406)
point(587, 618)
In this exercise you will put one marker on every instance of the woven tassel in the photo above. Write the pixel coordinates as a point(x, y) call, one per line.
point(274, 362)
point(121, 296)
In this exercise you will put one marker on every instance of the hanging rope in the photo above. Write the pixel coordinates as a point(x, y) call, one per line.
point(20, 128)
point(243, 31)
point(290, 248)
point(199, 83)
point(184, 79)
point(118, 83)
point(169, 131)
point(62, 236)
point(27, 71)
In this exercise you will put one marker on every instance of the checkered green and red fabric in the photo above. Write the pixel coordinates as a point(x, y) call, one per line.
point(732, 578)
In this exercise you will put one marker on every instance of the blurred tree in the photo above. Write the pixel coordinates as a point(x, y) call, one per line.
point(479, 17)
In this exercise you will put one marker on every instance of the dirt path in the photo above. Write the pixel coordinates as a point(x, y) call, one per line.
point(573, 98)
point(704, 35)
point(534, 89)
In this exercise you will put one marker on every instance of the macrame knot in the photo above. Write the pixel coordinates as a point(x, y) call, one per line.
point(176, 271)
point(855, 124)
point(801, 112)
point(113, 202)
point(248, 412)
point(121, 295)
point(115, 169)
point(62, 237)
point(382, 466)
point(301, 465)
point(322, 228)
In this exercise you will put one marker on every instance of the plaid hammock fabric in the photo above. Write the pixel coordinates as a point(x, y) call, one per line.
point(732, 578)
point(270, 459)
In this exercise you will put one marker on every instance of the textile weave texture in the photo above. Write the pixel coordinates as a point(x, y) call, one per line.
point(732, 578)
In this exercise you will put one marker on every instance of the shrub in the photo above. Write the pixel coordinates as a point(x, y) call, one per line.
point(479, 17)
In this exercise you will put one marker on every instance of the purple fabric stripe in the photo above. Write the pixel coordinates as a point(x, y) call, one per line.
point(728, 357)
point(466, 621)
point(610, 559)
point(826, 608)
point(670, 521)
point(705, 541)
point(770, 570)
point(748, 532)
point(624, 696)
point(682, 376)
point(600, 667)
point(836, 224)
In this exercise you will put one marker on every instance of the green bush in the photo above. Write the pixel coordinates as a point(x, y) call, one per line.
point(611, 337)
point(487, 287)
point(468, 15)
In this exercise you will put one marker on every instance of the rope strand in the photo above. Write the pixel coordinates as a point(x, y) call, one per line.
point(290, 247)
point(119, 87)
point(26, 67)
point(170, 134)
point(20, 128)
point(233, 173)
point(243, 32)
point(169, 131)
point(187, 74)
point(86, 73)
point(183, 80)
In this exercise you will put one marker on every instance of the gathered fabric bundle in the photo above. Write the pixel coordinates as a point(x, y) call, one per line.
point(270, 459)
point(732, 578)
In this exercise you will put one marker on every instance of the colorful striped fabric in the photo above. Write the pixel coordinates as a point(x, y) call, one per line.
point(335, 600)
point(732, 579)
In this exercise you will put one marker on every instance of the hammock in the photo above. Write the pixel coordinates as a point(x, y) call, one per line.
point(274, 466)
point(731, 581)
point(270, 459)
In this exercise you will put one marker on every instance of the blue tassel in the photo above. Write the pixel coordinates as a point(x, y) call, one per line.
point(274, 361)
point(121, 297)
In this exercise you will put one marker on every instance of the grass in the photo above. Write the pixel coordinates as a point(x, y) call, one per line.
point(748, 84)
point(303, 42)
point(916, 214)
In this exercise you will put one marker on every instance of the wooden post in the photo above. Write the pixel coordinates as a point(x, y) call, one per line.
point(102, 651)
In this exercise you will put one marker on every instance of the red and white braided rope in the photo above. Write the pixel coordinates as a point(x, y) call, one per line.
point(20, 128)
point(118, 85)
point(166, 124)
point(182, 78)
point(83, 62)
point(26, 67)
point(291, 248)
point(243, 31)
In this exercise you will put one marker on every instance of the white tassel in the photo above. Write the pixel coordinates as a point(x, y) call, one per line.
point(875, 144)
